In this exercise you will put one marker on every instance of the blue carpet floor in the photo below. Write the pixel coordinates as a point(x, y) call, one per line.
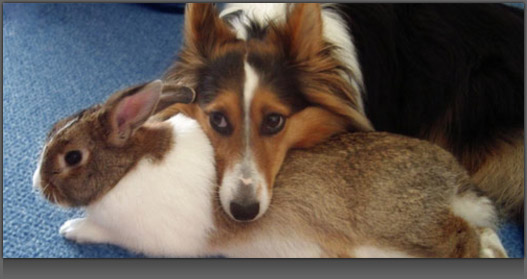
point(58, 58)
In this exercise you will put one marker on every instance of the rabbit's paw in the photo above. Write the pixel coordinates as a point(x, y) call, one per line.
point(82, 230)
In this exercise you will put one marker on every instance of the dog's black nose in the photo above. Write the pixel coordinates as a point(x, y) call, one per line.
point(244, 212)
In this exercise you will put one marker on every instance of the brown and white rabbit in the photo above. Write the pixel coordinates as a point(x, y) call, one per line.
point(151, 187)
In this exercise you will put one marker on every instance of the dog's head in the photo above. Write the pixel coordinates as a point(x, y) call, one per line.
point(277, 88)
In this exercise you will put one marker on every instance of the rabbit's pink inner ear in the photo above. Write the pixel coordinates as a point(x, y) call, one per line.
point(132, 111)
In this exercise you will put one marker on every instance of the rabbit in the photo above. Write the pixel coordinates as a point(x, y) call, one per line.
point(151, 187)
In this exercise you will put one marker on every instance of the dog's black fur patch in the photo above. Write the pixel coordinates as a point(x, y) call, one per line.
point(459, 66)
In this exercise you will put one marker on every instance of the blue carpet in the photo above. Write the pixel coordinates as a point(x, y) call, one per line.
point(58, 58)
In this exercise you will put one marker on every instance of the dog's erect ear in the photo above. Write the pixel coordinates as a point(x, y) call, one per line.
point(304, 30)
point(204, 29)
point(128, 110)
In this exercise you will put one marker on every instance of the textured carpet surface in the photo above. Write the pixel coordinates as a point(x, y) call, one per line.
point(58, 58)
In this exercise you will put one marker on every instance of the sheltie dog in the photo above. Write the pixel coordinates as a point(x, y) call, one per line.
point(272, 77)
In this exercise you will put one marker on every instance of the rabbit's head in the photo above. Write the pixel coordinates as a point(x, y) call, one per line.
point(86, 154)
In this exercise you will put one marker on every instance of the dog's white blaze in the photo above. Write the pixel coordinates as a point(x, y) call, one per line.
point(259, 184)
point(160, 209)
point(249, 88)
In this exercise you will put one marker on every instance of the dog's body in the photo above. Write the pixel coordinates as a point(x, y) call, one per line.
point(451, 74)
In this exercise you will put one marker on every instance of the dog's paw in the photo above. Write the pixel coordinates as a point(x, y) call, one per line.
point(491, 246)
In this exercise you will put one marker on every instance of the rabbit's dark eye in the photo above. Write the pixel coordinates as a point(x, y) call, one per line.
point(72, 158)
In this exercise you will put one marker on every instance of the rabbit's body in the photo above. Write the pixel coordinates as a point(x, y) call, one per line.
point(152, 188)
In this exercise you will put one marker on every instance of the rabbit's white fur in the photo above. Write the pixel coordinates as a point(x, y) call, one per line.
point(159, 209)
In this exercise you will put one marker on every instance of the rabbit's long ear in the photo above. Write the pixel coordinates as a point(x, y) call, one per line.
point(128, 110)
point(174, 94)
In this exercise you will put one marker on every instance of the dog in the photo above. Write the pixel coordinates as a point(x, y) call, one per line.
point(272, 77)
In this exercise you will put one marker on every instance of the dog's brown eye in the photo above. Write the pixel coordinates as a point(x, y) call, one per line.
point(220, 123)
point(272, 124)
point(72, 158)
